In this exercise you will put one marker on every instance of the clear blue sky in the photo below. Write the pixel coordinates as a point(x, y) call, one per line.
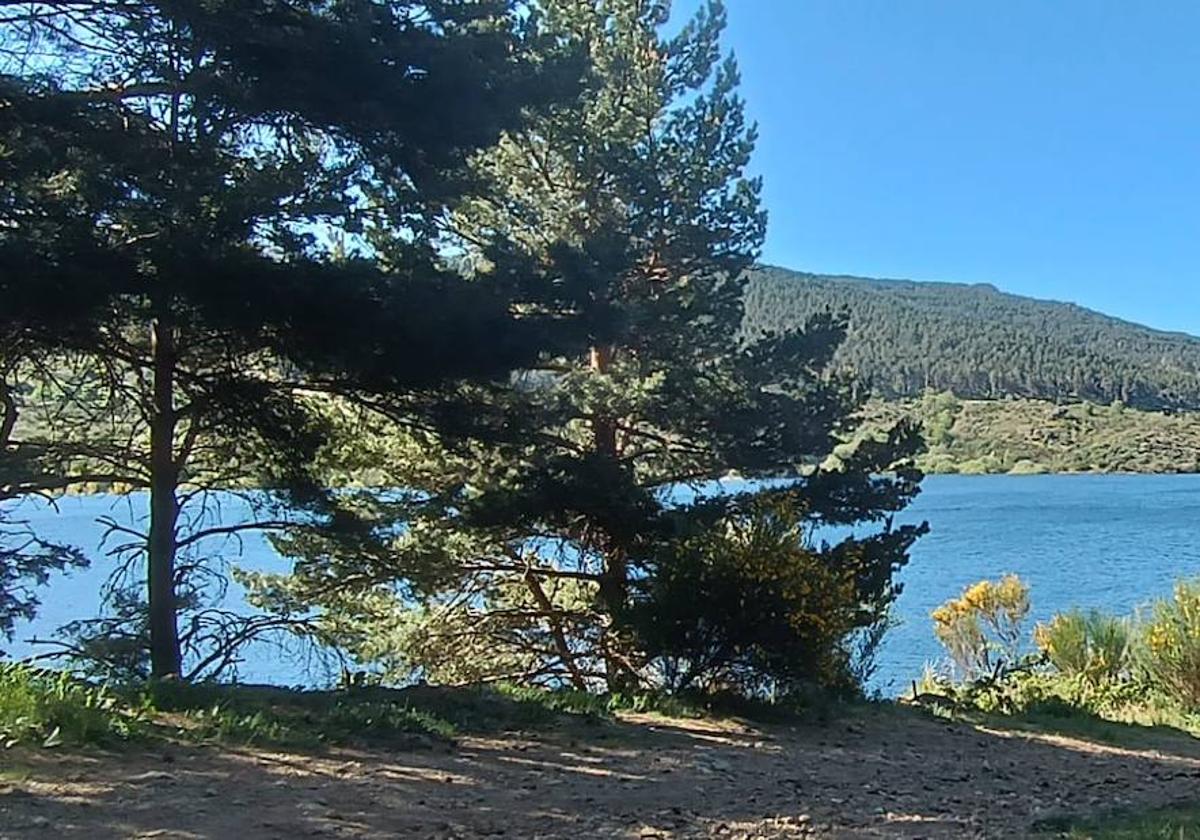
point(1050, 147)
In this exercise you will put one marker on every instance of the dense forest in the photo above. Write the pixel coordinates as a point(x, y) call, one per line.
point(908, 337)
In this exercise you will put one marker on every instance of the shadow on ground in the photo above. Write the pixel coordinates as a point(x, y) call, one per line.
point(883, 772)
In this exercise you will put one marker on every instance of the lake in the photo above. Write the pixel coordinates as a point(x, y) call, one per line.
point(1109, 541)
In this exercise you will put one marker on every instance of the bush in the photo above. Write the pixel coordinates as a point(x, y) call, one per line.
point(1093, 645)
point(981, 630)
point(48, 707)
point(1091, 667)
point(748, 605)
point(1170, 649)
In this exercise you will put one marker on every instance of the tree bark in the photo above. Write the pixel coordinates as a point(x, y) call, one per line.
point(8, 421)
point(165, 656)
point(614, 579)
point(556, 630)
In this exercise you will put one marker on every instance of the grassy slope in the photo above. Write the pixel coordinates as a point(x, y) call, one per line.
point(1032, 436)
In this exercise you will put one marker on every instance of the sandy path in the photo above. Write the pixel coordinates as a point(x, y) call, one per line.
point(885, 775)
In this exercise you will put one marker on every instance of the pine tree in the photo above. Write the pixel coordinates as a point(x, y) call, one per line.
point(524, 556)
point(192, 201)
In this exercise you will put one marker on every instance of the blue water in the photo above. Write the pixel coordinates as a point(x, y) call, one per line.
point(1097, 541)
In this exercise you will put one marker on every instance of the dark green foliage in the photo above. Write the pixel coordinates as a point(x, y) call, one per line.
point(532, 527)
point(747, 602)
point(26, 563)
point(977, 342)
point(200, 230)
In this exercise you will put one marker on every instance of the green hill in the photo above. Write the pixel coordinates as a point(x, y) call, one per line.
point(908, 337)
point(1036, 436)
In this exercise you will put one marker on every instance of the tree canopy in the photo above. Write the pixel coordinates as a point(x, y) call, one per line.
point(449, 299)
point(533, 554)
point(200, 229)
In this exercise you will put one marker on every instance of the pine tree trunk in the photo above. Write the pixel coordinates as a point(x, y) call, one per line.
point(614, 578)
point(8, 420)
point(165, 658)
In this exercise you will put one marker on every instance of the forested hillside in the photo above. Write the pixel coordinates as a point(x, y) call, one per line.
point(906, 337)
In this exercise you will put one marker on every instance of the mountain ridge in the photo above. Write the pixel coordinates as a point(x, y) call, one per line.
point(906, 337)
point(983, 286)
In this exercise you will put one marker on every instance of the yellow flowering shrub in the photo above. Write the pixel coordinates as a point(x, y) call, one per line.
point(981, 629)
point(1171, 644)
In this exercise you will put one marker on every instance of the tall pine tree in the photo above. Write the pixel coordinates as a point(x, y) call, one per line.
point(193, 197)
point(526, 555)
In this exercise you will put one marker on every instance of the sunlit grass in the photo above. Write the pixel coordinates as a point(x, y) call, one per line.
point(48, 708)
point(1180, 822)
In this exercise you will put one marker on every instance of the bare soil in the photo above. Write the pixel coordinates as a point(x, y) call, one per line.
point(890, 774)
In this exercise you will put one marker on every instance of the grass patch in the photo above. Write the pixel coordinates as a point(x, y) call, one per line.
point(408, 717)
point(1124, 712)
point(1092, 727)
point(1180, 822)
point(1140, 725)
point(48, 708)
point(375, 716)
point(262, 715)
point(14, 773)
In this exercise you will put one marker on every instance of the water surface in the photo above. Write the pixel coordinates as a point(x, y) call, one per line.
point(1110, 541)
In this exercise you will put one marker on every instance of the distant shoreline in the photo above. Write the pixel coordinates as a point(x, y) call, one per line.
point(92, 493)
point(1038, 437)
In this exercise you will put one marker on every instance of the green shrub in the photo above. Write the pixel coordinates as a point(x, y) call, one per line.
point(1094, 669)
point(748, 604)
point(986, 465)
point(1170, 649)
point(1029, 689)
point(1091, 645)
point(46, 707)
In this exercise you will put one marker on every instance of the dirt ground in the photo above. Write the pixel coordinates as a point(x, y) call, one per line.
point(886, 775)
